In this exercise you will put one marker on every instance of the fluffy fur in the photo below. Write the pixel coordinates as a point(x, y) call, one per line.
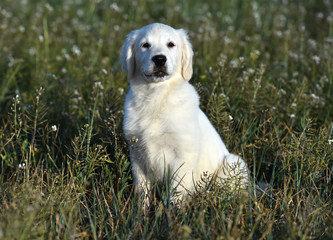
point(163, 123)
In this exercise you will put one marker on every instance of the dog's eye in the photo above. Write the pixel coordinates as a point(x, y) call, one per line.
point(171, 45)
point(146, 45)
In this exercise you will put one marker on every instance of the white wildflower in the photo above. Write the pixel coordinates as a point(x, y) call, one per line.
point(21, 166)
point(54, 128)
point(32, 51)
point(230, 117)
point(324, 79)
point(278, 33)
point(76, 50)
point(41, 38)
point(49, 7)
point(295, 74)
point(115, 7)
point(293, 55)
point(5, 13)
point(319, 88)
point(251, 71)
point(234, 63)
point(231, 28)
point(312, 43)
point(302, 28)
point(330, 141)
point(257, 52)
point(224, 96)
point(116, 28)
point(103, 70)
point(227, 19)
point(22, 29)
point(98, 84)
point(51, 75)
point(330, 19)
point(17, 98)
point(121, 91)
point(282, 92)
point(80, 12)
point(316, 59)
point(67, 57)
point(292, 115)
point(226, 40)
point(257, 80)
point(12, 62)
point(223, 57)
point(328, 40)
point(314, 96)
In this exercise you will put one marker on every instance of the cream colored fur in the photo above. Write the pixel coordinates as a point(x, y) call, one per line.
point(163, 123)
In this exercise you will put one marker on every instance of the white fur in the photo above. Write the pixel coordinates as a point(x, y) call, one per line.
point(163, 123)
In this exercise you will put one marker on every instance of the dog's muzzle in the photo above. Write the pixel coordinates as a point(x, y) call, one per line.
point(160, 69)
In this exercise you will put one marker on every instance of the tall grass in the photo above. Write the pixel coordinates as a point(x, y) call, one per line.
point(264, 71)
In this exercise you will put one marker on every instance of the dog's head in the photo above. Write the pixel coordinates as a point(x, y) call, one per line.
point(156, 53)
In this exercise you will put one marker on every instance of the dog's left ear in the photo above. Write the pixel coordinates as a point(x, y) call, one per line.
point(127, 57)
point(187, 55)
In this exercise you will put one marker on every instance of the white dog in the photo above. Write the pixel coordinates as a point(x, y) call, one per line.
point(163, 123)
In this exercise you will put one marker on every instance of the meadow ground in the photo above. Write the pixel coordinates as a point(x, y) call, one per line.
point(264, 71)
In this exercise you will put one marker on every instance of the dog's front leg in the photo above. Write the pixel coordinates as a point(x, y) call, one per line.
point(142, 184)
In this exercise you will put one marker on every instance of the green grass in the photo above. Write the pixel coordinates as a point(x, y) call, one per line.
point(264, 71)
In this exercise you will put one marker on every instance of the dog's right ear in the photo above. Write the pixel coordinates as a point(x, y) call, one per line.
point(127, 57)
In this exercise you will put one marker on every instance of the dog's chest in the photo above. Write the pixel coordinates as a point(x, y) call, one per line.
point(155, 122)
point(155, 131)
point(149, 119)
point(160, 113)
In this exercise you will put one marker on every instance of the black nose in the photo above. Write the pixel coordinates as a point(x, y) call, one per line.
point(159, 60)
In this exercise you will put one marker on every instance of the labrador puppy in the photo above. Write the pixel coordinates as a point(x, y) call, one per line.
point(163, 124)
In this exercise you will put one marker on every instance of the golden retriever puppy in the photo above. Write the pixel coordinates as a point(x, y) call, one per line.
point(163, 124)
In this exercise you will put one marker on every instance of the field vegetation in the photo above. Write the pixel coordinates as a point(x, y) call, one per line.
point(264, 71)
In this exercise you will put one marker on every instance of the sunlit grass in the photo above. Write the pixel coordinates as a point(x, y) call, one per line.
point(264, 71)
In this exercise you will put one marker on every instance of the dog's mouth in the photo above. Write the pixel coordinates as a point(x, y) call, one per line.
point(158, 74)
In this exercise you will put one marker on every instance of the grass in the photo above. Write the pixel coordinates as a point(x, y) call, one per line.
point(264, 71)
